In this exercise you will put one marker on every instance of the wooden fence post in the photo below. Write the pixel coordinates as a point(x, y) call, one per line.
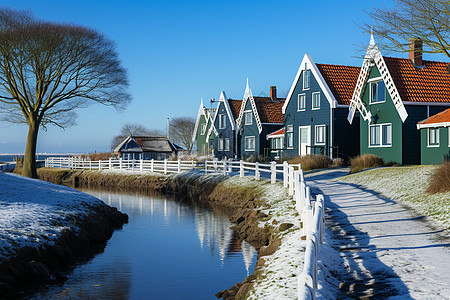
point(285, 174)
point(152, 165)
point(179, 166)
point(257, 174)
point(206, 167)
point(120, 163)
point(273, 172)
point(224, 168)
point(141, 166)
point(241, 168)
point(165, 166)
point(110, 164)
point(291, 181)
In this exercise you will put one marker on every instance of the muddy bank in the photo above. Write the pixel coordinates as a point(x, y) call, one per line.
point(241, 204)
point(27, 268)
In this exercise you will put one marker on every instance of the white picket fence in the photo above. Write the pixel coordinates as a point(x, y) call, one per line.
point(161, 166)
point(311, 216)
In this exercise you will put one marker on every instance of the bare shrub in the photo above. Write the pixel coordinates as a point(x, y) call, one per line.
point(440, 180)
point(98, 156)
point(338, 162)
point(365, 161)
point(311, 161)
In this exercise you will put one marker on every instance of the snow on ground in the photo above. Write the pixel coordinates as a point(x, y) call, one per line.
point(407, 185)
point(386, 251)
point(34, 213)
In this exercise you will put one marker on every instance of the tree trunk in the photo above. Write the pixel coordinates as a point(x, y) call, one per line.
point(29, 160)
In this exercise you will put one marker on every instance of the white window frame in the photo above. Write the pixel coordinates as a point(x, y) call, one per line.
point(436, 137)
point(203, 129)
point(227, 144)
point(248, 138)
point(222, 121)
point(220, 145)
point(306, 79)
point(317, 94)
point(373, 82)
point(248, 119)
point(323, 135)
point(290, 136)
point(301, 102)
point(381, 137)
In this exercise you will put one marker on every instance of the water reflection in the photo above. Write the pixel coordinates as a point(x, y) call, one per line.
point(168, 250)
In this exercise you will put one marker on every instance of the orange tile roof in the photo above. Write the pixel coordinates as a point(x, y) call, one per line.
point(341, 80)
point(428, 84)
point(269, 111)
point(278, 132)
point(442, 117)
point(235, 106)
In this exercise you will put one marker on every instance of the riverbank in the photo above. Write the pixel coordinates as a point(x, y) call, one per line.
point(44, 228)
point(264, 215)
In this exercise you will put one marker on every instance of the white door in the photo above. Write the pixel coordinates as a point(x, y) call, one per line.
point(304, 138)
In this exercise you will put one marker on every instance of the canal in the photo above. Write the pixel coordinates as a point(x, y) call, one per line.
point(168, 250)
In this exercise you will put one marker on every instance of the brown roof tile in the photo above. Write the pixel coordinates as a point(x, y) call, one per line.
point(442, 117)
point(269, 111)
point(235, 106)
point(341, 80)
point(428, 84)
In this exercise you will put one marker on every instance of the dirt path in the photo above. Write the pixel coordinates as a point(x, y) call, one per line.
point(386, 250)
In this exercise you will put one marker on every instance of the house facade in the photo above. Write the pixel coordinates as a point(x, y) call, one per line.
point(258, 117)
point(392, 95)
point(146, 147)
point(435, 138)
point(224, 130)
point(315, 111)
point(201, 129)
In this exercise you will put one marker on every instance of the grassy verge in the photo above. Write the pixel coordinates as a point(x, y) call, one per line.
point(407, 185)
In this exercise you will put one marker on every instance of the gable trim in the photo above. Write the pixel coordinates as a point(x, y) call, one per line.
point(248, 96)
point(308, 63)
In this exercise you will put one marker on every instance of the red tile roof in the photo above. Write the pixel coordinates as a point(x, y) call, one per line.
point(341, 80)
point(278, 132)
point(235, 106)
point(269, 111)
point(428, 84)
point(442, 117)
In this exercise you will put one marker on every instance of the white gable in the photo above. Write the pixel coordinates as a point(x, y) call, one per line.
point(308, 64)
point(248, 96)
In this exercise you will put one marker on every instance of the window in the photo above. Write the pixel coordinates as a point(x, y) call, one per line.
point(433, 137)
point(290, 136)
point(222, 121)
point(220, 145)
point(203, 129)
point(306, 79)
point(249, 143)
point(380, 135)
point(316, 101)
point(248, 117)
point(377, 92)
point(227, 144)
point(320, 134)
point(277, 143)
point(301, 102)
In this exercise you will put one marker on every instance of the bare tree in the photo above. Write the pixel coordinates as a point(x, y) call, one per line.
point(181, 131)
point(425, 19)
point(48, 70)
point(134, 130)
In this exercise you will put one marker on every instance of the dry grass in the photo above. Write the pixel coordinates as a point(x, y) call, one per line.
point(311, 162)
point(99, 156)
point(338, 162)
point(440, 180)
point(365, 161)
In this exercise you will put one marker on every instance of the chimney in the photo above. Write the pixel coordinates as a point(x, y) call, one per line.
point(273, 92)
point(415, 51)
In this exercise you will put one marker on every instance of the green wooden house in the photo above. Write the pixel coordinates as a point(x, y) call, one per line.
point(202, 126)
point(435, 138)
point(258, 117)
point(392, 95)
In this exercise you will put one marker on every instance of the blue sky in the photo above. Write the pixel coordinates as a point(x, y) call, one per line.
point(179, 51)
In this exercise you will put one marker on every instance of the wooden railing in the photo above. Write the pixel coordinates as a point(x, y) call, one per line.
point(160, 166)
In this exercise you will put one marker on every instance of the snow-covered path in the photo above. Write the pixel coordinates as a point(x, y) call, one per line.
point(386, 251)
